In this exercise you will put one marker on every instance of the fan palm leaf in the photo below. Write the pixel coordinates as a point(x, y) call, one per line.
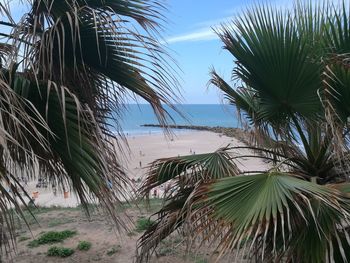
point(179, 176)
point(276, 213)
point(273, 61)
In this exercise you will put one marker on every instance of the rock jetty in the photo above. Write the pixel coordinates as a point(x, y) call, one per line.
point(237, 133)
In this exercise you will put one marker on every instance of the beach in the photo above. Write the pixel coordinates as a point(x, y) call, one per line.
point(58, 213)
point(144, 149)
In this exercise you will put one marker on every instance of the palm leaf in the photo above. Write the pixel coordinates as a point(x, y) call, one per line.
point(244, 99)
point(272, 214)
point(189, 169)
point(179, 177)
point(272, 59)
point(107, 53)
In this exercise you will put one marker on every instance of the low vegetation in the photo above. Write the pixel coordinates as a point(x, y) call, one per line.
point(84, 245)
point(103, 247)
point(59, 252)
point(143, 223)
point(52, 237)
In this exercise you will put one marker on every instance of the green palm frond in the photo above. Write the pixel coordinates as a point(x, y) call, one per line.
point(179, 176)
point(273, 60)
point(78, 151)
point(337, 33)
point(146, 13)
point(273, 214)
point(336, 75)
point(189, 169)
point(169, 219)
point(107, 53)
point(245, 100)
point(72, 152)
point(20, 127)
point(335, 91)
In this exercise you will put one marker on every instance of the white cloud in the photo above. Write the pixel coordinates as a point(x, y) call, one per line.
point(204, 30)
point(202, 35)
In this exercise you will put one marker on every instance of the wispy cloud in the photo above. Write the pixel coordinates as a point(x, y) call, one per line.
point(204, 30)
point(201, 35)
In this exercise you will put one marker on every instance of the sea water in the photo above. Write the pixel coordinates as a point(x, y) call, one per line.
point(135, 115)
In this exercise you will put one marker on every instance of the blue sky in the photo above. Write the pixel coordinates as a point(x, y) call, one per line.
point(196, 48)
point(193, 44)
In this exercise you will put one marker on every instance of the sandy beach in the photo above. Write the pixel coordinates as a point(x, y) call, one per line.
point(63, 213)
point(143, 149)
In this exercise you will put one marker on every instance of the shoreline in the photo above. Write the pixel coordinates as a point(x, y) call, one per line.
point(145, 149)
point(231, 132)
point(159, 132)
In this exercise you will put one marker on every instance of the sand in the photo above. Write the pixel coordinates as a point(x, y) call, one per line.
point(144, 149)
point(100, 233)
point(98, 230)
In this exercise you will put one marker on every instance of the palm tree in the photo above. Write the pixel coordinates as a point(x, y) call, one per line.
point(291, 89)
point(67, 69)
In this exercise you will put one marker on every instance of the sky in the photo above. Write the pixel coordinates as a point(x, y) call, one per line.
point(196, 48)
point(191, 41)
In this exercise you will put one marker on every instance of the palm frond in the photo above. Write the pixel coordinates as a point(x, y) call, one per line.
point(179, 176)
point(335, 91)
point(107, 53)
point(244, 99)
point(275, 215)
point(270, 54)
point(190, 169)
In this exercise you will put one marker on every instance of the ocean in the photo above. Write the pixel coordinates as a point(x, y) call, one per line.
point(195, 114)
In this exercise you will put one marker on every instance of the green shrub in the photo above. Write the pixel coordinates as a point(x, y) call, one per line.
point(51, 237)
point(84, 245)
point(59, 252)
point(143, 223)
